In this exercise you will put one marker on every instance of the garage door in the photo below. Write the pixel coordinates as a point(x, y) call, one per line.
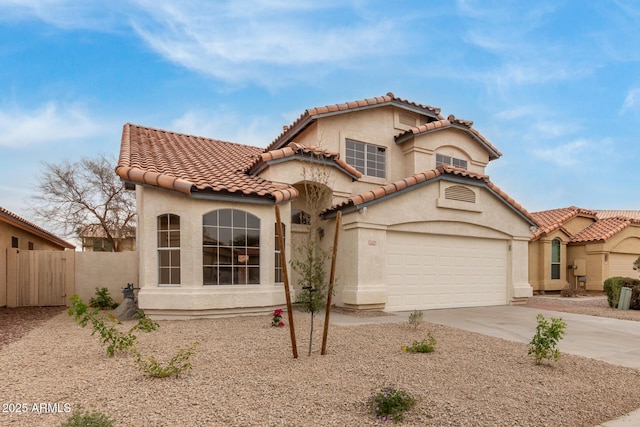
point(622, 265)
point(426, 271)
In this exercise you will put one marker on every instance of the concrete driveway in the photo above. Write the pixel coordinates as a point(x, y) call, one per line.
point(611, 340)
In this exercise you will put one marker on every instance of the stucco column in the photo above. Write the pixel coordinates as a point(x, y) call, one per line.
point(520, 268)
point(364, 279)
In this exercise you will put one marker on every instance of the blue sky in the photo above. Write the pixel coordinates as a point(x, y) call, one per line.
point(554, 85)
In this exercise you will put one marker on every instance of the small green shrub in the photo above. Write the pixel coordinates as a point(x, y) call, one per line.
point(427, 345)
point(544, 343)
point(104, 326)
point(80, 418)
point(415, 318)
point(613, 285)
point(178, 363)
point(102, 300)
point(389, 403)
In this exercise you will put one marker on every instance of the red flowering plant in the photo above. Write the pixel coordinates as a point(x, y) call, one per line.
point(277, 318)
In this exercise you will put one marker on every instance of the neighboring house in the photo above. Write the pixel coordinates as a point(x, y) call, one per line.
point(423, 227)
point(582, 247)
point(94, 239)
point(17, 233)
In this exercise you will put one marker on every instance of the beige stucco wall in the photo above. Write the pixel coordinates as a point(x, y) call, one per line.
point(362, 250)
point(379, 126)
point(111, 270)
point(191, 296)
point(540, 263)
point(595, 256)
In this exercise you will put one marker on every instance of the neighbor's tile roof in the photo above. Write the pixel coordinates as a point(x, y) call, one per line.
point(554, 219)
point(311, 114)
point(295, 149)
point(21, 223)
point(605, 225)
point(191, 164)
point(389, 189)
point(603, 229)
point(451, 122)
point(619, 213)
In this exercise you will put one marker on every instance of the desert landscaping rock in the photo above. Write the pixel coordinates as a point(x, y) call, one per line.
point(244, 375)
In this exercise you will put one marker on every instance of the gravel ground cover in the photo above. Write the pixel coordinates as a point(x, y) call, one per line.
point(244, 375)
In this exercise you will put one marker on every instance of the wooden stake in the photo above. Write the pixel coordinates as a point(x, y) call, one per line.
point(332, 278)
point(283, 263)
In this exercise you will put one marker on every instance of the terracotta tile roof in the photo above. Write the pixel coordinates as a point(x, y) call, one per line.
point(618, 213)
point(21, 223)
point(294, 149)
point(605, 225)
point(312, 114)
point(554, 219)
point(423, 177)
point(451, 122)
point(192, 164)
point(603, 229)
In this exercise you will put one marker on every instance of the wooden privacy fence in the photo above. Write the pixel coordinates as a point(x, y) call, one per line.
point(39, 278)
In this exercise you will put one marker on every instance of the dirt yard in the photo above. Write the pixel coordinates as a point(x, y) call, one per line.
point(243, 375)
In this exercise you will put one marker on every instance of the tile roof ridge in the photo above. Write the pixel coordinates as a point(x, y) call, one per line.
point(295, 148)
point(47, 234)
point(309, 113)
point(189, 135)
point(418, 178)
point(450, 121)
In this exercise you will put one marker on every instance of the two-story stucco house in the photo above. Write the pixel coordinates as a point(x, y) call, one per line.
point(422, 225)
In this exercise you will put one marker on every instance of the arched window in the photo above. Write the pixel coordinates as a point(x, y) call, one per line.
point(230, 248)
point(168, 249)
point(555, 258)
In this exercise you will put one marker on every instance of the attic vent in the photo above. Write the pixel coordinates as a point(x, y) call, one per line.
point(460, 193)
point(407, 119)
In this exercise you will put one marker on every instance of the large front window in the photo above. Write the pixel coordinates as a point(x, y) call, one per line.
point(169, 249)
point(368, 159)
point(230, 248)
point(555, 259)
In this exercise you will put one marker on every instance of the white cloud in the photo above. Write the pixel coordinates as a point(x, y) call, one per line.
point(632, 101)
point(268, 45)
point(572, 154)
point(48, 123)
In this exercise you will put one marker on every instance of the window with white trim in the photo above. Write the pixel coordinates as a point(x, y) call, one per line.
point(368, 159)
point(555, 258)
point(168, 250)
point(230, 248)
point(441, 159)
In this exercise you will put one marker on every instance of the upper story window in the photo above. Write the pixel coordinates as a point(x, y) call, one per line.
point(555, 259)
point(14, 242)
point(368, 159)
point(168, 249)
point(441, 159)
point(230, 248)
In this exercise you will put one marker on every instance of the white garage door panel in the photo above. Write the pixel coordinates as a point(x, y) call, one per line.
point(432, 271)
point(622, 265)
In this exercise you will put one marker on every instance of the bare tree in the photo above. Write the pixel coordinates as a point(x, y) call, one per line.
point(71, 196)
